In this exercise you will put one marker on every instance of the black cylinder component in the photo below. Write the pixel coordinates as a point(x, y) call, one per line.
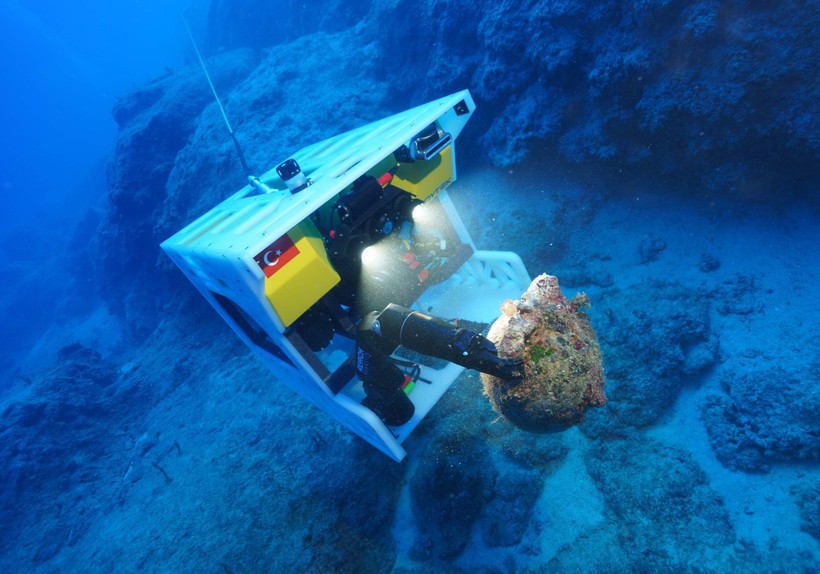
point(383, 222)
point(423, 333)
point(433, 336)
point(426, 137)
point(358, 205)
point(316, 328)
point(384, 392)
point(382, 380)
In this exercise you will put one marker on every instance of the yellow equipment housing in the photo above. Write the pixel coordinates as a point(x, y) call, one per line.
point(425, 179)
point(306, 278)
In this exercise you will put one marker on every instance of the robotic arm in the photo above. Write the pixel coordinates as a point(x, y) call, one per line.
point(380, 332)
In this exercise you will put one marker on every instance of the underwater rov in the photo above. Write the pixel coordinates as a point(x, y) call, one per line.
point(336, 266)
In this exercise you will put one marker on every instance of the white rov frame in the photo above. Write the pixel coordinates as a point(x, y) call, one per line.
point(216, 252)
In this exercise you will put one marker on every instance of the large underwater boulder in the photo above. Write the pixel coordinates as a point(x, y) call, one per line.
point(563, 373)
point(464, 445)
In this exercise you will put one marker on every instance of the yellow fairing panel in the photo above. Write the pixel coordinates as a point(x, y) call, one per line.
point(299, 272)
point(423, 179)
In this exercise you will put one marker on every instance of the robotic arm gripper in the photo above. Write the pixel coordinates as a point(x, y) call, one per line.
point(381, 332)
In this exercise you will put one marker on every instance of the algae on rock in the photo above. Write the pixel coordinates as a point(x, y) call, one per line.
point(563, 370)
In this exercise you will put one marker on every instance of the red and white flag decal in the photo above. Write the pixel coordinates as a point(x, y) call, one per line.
point(276, 255)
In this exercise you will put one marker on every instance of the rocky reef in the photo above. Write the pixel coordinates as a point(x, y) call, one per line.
point(688, 88)
point(56, 438)
point(448, 492)
point(657, 338)
point(764, 417)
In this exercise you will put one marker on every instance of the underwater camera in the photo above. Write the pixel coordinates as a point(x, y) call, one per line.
point(292, 175)
point(425, 145)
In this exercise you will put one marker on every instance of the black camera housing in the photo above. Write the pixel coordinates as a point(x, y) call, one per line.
point(288, 169)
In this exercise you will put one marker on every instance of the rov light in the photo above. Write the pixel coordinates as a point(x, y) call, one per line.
point(422, 214)
point(370, 256)
point(378, 256)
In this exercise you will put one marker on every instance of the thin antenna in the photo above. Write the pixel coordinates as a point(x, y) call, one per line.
point(218, 101)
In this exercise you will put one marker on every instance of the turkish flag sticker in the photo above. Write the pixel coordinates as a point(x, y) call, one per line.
point(276, 255)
